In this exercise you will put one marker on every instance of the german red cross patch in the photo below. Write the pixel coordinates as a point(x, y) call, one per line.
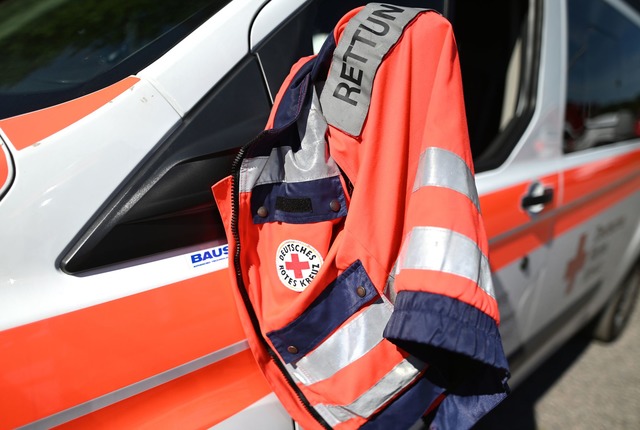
point(297, 263)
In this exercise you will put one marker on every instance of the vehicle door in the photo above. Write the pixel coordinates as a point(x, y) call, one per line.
point(597, 221)
point(512, 103)
point(114, 298)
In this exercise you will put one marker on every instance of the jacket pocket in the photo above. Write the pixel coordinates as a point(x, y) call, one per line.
point(336, 352)
point(339, 301)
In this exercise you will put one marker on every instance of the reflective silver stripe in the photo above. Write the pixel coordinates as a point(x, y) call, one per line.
point(442, 168)
point(327, 414)
point(345, 346)
point(137, 388)
point(311, 161)
point(365, 41)
point(377, 396)
point(390, 289)
point(444, 250)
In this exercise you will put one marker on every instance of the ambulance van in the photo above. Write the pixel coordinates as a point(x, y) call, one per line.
point(116, 118)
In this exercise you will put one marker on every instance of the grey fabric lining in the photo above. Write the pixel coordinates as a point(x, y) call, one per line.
point(310, 162)
point(390, 288)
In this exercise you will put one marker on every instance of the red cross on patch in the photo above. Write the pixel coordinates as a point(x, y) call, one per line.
point(576, 264)
point(297, 263)
point(297, 266)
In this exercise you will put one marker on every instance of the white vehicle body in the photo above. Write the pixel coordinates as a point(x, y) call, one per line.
point(95, 334)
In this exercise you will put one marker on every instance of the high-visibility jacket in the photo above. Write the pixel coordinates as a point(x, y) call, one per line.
point(355, 236)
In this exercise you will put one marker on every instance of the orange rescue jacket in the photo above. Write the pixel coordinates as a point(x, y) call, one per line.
point(355, 235)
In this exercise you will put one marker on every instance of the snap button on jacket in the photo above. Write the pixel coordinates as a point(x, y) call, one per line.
point(357, 248)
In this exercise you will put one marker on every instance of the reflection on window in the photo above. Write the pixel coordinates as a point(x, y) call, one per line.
point(603, 92)
point(497, 61)
point(56, 50)
point(329, 13)
point(496, 73)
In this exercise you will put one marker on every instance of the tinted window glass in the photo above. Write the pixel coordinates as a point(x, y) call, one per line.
point(497, 42)
point(603, 87)
point(56, 50)
point(305, 33)
point(167, 205)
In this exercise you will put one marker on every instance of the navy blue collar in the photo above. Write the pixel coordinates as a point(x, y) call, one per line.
point(297, 94)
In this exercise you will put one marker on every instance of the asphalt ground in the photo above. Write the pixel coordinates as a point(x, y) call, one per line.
point(586, 385)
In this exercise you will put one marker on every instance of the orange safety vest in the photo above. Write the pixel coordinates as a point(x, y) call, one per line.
point(355, 236)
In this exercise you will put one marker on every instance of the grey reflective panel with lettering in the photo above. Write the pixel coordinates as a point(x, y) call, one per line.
point(366, 40)
point(603, 85)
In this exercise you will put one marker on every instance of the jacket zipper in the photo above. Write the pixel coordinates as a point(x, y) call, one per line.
point(235, 175)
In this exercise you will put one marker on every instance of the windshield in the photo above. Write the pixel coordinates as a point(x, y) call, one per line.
point(56, 50)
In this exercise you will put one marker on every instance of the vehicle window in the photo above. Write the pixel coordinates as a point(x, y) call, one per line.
point(57, 50)
point(603, 83)
point(305, 33)
point(167, 205)
point(497, 45)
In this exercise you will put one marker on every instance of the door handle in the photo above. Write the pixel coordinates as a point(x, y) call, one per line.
point(537, 198)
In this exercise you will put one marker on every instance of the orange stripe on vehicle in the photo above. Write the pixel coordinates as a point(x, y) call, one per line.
point(589, 190)
point(27, 129)
point(589, 179)
point(60, 362)
point(198, 400)
point(516, 246)
point(590, 207)
point(502, 210)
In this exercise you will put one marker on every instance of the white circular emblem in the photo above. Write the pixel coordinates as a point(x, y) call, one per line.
point(297, 263)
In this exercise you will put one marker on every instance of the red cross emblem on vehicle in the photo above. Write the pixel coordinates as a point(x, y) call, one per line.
point(576, 264)
point(297, 264)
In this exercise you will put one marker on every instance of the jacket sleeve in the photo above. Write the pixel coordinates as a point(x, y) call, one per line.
point(445, 307)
